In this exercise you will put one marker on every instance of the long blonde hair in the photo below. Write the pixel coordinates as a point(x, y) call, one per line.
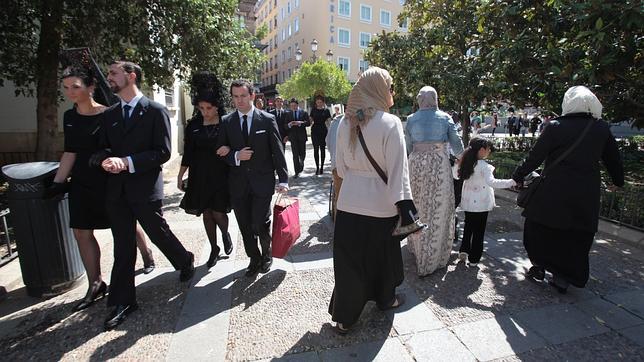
point(369, 95)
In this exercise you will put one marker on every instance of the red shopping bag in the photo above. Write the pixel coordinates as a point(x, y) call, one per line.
point(286, 225)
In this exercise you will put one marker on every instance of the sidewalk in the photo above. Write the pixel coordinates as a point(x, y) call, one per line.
point(458, 313)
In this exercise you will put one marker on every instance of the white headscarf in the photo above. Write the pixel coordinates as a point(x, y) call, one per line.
point(579, 99)
point(427, 97)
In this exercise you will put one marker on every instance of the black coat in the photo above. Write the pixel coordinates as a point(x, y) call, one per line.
point(146, 141)
point(298, 132)
point(568, 198)
point(257, 175)
point(282, 119)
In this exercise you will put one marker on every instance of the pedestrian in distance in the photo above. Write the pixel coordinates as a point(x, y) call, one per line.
point(562, 215)
point(297, 123)
point(477, 196)
point(206, 192)
point(136, 142)
point(250, 142)
point(320, 115)
point(281, 117)
point(87, 205)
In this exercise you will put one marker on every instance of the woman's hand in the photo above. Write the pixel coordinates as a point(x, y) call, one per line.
point(223, 151)
point(180, 183)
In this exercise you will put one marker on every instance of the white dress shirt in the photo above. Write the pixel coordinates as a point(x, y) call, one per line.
point(132, 103)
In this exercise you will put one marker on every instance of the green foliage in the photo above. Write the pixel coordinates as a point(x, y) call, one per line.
point(166, 37)
point(313, 78)
point(523, 51)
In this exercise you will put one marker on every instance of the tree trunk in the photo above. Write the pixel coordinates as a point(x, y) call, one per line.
point(466, 125)
point(49, 45)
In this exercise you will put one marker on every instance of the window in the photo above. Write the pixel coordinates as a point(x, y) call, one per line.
point(403, 24)
point(297, 3)
point(283, 56)
point(363, 65)
point(289, 53)
point(344, 37)
point(385, 18)
point(365, 13)
point(283, 34)
point(169, 98)
point(343, 63)
point(282, 14)
point(344, 8)
point(288, 7)
point(289, 30)
point(296, 25)
point(365, 39)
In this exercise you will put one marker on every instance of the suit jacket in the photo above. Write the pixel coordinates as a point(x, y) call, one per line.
point(256, 175)
point(282, 121)
point(568, 198)
point(298, 132)
point(146, 141)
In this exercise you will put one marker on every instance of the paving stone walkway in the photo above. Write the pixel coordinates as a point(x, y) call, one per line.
point(460, 313)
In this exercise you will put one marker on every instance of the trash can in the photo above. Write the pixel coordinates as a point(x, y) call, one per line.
point(48, 253)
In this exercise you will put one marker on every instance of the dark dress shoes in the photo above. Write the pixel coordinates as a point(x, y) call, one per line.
point(228, 243)
point(253, 268)
point(266, 265)
point(536, 273)
point(212, 259)
point(188, 271)
point(95, 292)
point(118, 315)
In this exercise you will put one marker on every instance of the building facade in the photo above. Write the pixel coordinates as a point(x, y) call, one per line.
point(343, 30)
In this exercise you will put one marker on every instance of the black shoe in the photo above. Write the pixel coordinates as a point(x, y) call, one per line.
point(148, 268)
point(118, 315)
point(188, 271)
point(560, 289)
point(228, 243)
point(252, 269)
point(266, 265)
point(399, 300)
point(297, 175)
point(212, 259)
point(536, 273)
point(95, 292)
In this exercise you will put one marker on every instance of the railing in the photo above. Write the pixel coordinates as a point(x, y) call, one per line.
point(623, 206)
point(5, 234)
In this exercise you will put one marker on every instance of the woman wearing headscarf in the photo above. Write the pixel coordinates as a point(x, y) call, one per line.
point(562, 215)
point(430, 133)
point(367, 260)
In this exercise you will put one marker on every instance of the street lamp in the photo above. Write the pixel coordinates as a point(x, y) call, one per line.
point(329, 56)
point(314, 48)
point(298, 54)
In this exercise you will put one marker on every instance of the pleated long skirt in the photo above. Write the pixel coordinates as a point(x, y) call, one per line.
point(367, 265)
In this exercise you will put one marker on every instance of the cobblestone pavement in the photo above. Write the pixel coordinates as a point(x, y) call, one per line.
point(484, 313)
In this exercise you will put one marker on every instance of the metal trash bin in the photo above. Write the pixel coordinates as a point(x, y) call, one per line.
point(48, 253)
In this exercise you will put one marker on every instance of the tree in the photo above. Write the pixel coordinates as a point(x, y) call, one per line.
point(167, 38)
point(312, 78)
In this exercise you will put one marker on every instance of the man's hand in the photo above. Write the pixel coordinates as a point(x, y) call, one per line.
point(292, 123)
point(285, 139)
point(115, 164)
point(245, 154)
point(223, 151)
point(281, 189)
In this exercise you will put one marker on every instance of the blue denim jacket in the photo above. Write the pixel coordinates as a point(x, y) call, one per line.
point(432, 125)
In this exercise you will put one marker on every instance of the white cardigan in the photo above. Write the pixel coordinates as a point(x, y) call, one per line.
point(363, 191)
point(478, 189)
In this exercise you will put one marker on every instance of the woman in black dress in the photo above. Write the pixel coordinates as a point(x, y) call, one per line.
point(87, 192)
point(207, 187)
point(320, 115)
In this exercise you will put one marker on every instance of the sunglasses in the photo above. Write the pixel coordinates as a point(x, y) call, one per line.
point(391, 88)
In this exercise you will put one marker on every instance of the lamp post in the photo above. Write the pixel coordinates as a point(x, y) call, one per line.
point(329, 56)
point(314, 48)
point(298, 54)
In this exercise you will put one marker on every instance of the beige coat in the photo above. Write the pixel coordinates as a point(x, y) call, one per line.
point(363, 191)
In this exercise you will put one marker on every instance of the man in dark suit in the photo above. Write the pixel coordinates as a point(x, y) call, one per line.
point(136, 137)
point(297, 124)
point(250, 142)
point(282, 118)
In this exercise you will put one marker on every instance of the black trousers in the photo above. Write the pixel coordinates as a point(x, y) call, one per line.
point(473, 234)
point(298, 148)
point(123, 215)
point(253, 217)
point(319, 153)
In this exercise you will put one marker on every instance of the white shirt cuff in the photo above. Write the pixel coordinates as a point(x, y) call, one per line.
point(283, 184)
point(130, 164)
point(237, 162)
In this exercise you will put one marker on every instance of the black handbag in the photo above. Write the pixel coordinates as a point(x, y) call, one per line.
point(400, 231)
point(526, 193)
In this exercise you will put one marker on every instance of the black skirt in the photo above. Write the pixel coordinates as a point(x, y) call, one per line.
point(561, 252)
point(367, 265)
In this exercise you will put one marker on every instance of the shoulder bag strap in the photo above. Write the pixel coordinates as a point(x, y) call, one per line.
point(563, 155)
point(375, 165)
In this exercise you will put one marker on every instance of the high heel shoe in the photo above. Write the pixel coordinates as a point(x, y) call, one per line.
point(228, 243)
point(95, 292)
point(212, 260)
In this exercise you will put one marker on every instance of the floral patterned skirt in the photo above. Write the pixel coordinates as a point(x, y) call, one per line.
point(433, 190)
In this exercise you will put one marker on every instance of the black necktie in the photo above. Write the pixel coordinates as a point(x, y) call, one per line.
point(245, 129)
point(126, 115)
